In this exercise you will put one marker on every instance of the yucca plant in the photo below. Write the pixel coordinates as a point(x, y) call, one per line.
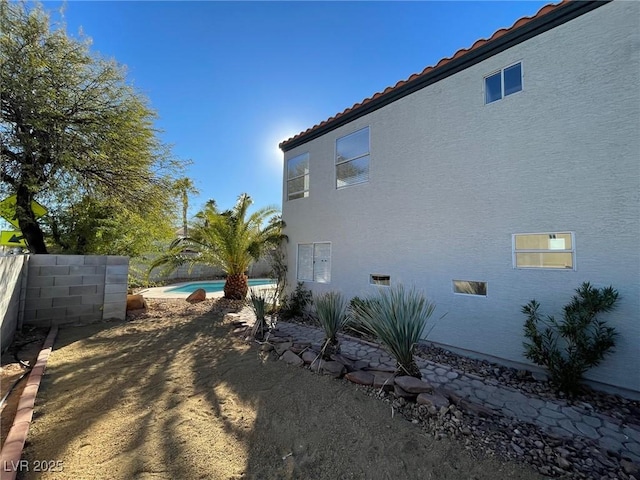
point(397, 317)
point(331, 312)
point(259, 306)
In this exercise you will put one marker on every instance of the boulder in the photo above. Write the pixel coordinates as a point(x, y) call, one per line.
point(135, 302)
point(413, 385)
point(197, 296)
point(292, 359)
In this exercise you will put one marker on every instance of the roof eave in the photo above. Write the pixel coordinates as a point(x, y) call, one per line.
point(536, 26)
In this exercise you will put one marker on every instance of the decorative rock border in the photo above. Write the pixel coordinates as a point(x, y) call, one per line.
point(552, 435)
point(13, 445)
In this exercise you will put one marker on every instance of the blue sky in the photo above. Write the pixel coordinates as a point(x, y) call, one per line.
point(230, 80)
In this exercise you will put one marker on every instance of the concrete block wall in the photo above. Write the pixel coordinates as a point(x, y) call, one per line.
point(11, 276)
point(72, 289)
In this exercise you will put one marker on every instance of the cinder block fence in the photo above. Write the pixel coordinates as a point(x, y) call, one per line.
point(65, 289)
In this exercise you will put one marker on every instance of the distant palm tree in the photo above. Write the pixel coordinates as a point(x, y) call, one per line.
point(231, 240)
point(183, 188)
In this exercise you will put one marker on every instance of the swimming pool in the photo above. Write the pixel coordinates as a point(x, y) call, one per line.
point(216, 285)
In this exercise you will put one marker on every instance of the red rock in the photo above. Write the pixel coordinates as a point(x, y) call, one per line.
point(292, 359)
point(197, 296)
point(135, 302)
point(360, 377)
point(401, 392)
point(309, 356)
point(413, 384)
point(298, 348)
point(382, 379)
point(334, 369)
point(479, 410)
point(343, 360)
point(282, 347)
point(435, 400)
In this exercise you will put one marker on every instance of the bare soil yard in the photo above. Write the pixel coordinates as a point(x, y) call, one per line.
point(174, 395)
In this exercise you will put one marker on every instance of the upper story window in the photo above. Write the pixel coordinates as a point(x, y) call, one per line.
point(298, 177)
point(553, 250)
point(505, 82)
point(352, 158)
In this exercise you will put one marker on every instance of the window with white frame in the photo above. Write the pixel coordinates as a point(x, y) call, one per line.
point(352, 158)
point(505, 82)
point(554, 250)
point(298, 177)
point(314, 262)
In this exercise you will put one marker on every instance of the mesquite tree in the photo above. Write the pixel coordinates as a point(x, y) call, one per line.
point(71, 127)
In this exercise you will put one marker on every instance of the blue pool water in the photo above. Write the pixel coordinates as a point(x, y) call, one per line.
point(215, 286)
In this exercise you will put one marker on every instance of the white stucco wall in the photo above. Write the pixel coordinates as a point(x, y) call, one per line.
point(451, 180)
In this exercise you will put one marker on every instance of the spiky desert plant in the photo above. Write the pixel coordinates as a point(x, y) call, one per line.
point(398, 318)
point(331, 313)
point(578, 342)
point(259, 307)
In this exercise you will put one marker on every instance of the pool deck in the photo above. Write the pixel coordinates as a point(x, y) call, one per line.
point(163, 292)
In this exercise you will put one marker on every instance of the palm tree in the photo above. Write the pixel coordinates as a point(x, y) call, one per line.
point(231, 240)
point(183, 188)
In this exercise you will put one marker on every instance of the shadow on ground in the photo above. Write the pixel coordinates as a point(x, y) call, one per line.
point(179, 396)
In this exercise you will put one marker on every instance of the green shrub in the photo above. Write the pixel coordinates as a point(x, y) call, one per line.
point(331, 314)
point(295, 304)
point(397, 317)
point(353, 326)
point(578, 342)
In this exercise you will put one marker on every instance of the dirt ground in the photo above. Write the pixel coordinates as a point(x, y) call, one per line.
point(174, 395)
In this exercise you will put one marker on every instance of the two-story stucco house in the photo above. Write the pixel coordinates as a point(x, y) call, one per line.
point(508, 172)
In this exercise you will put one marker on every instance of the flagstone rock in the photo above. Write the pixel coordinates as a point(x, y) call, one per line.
point(298, 348)
point(432, 400)
point(360, 365)
point(413, 384)
point(380, 368)
point(198, 295)
point(382, 380)
point(334, 369)
point(280, 338)
point(479, 410)
point(292, 359)
point(309, 356)
point(267, 347)
point(400, 392)
point(280, 348)
point(337, 357)
point(360, 377)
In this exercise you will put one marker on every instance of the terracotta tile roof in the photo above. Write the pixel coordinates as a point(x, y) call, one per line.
point(463, 51)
